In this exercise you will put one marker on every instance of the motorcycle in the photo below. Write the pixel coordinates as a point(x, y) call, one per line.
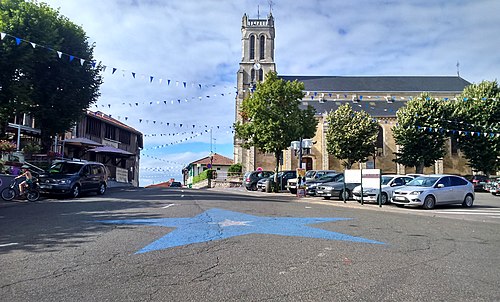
point(32, 191)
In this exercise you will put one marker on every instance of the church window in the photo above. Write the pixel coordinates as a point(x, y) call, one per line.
point(379, 144)
point(252, 47)
point(262, 47)
point(261, 75)
point(252, 76)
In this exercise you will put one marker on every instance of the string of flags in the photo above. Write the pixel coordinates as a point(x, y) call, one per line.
point(113, 70)
point(459, 132)
point(176, 142)
point(165, 102)
point(157, 158)
point(163, 169)
point(322, 96)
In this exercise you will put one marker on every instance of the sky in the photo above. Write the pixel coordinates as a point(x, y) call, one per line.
point(185, 56)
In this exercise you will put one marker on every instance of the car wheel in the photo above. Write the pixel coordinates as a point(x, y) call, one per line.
point(384, 199)
point(468, 201)
point(429, 202)
point(253, 187)
point(75, 191)
point(102, 189)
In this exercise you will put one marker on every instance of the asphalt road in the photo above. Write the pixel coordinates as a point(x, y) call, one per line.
point(232, 245)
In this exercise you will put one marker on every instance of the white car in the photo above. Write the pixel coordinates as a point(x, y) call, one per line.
point(389, 183)
point(430, 190)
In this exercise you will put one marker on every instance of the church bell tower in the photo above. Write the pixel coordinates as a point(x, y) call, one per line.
point(257, 59)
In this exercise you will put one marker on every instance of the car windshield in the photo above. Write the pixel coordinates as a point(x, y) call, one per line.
point(386, 179)
point(65, 168)
point(423, 181)
point(310, 174)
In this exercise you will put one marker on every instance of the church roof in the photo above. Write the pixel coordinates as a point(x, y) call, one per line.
point(374, 108)
point(381, 83)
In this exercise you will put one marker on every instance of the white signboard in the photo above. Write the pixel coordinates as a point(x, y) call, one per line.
point(121, 175)
point(352, 176)
point(371, 178)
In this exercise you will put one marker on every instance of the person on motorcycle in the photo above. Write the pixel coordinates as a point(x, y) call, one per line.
point(27, 182)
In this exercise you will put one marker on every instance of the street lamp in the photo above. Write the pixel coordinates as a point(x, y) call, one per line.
point(302, 146)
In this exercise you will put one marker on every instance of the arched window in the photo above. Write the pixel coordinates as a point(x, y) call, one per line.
point(262, 47)
point(261, 75)
point(252, 76)
point(252, 47)
point(380, 141)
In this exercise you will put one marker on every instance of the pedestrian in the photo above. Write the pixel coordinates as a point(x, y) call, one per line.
point(28, 179)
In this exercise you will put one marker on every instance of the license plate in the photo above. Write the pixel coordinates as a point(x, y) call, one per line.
point(399, 198)
point(45, 187)
point(319, 192)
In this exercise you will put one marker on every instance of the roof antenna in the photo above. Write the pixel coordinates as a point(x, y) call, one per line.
point(458, 69)
point(258, 12)
point(270, 6)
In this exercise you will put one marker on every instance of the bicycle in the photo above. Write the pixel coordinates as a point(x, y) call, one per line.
point(32, 192)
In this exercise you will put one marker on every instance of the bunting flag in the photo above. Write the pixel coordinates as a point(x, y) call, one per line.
point(459, 132)
point(93, 63)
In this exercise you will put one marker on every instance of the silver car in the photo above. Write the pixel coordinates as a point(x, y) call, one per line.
point(431, 190)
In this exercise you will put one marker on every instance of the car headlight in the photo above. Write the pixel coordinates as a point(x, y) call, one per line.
point(416, 192)
point(64, 181)
point(328, 188)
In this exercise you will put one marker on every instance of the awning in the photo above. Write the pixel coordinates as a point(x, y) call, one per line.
point(81, 141)
point(110, 150)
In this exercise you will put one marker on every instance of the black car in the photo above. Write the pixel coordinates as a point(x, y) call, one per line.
point(73, 178)
point(176, 184)
point(313, 184)
point(479, 181)
point(283, 178)
point(251, 178)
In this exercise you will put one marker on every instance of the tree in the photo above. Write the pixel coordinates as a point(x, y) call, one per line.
point(477, 114)
point(419, 132)
point(272, 118)
point(34, 80)
point(351, 135)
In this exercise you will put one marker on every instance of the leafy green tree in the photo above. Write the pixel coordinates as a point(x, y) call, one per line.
point(272, 117)
point(419, 132)
point(34, 80)
point(477, 113)
point(351, 135)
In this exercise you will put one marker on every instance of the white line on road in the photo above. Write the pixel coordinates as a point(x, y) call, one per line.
point(8, 244)
point(468, 213)
point(168, 206)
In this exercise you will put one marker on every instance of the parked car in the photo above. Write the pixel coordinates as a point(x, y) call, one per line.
point(478, 181)
point(310, 175)
point(493, 186)
point(73, 178)
point(431, 190)
point(176, 184)
point(283, 177)
point(250, 179)
point(336, 189)
point(313, 184)
point(261, 184)
point(388, 183)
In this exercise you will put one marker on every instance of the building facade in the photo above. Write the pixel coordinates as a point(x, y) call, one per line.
point(380, 96)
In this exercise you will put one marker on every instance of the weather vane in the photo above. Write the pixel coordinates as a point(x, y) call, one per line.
point(270, 5)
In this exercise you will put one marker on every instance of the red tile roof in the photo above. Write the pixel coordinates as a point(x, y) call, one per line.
point(217, 160)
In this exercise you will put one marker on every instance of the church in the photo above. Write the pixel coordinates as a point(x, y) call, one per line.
point(379, 96)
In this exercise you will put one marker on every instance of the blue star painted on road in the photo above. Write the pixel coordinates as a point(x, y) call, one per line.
point(217, 224)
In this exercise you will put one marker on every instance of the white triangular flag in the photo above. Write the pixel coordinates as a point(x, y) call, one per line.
point(33, 44)
point(59, 54)
point(2, 35)
point(82, 61)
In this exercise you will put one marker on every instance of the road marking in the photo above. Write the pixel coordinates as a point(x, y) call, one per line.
point(8, 244)
point(468, 213)
point(168, 206)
